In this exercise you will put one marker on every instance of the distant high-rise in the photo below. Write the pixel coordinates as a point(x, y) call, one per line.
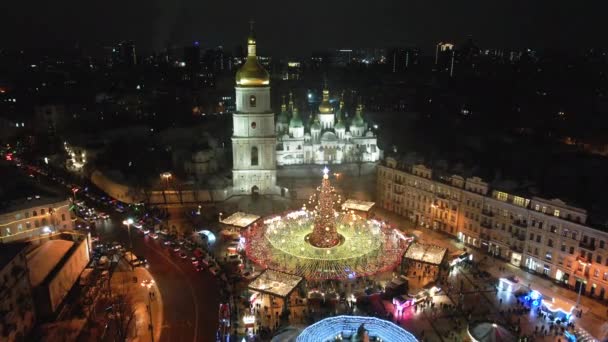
point(124, 54)
point(192, 56)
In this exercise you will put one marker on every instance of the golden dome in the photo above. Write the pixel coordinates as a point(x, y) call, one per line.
point(325, 107)
point(252, 73)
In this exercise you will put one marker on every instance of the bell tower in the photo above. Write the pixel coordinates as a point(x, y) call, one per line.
point(253, 139)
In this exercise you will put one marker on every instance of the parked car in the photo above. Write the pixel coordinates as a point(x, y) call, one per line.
point(183, 255)
point(214, 270)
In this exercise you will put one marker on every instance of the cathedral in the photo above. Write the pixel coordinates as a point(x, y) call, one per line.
point(329, 139)
point(256, 150)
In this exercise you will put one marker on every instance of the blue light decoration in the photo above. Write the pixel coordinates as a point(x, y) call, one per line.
point(328, 329)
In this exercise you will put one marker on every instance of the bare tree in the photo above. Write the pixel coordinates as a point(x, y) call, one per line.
point(123, 310)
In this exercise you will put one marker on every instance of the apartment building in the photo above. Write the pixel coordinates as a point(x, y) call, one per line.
point(31, 217)
point(16, 306)
point(546, 236)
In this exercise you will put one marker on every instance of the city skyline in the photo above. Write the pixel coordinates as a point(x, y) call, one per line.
point(304, 27)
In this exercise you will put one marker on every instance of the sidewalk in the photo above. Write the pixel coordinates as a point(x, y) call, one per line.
point(130, 282)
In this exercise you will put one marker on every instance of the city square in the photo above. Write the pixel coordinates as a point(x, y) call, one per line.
point(261, 185)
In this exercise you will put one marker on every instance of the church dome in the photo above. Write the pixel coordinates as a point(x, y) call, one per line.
point(329, 136)
point(295, 122)
point(284, 115)
point(252, 73)
point(316, 125)
point(325, 107)
point(358, 119)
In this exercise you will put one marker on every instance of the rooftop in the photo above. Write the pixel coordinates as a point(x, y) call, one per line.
point(42, 260)
point(430, 254)
point(240, 219)
point(352, 204)
point(275, 283)
point(9, 251)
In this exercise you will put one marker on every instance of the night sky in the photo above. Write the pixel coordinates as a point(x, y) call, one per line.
point(299, 27)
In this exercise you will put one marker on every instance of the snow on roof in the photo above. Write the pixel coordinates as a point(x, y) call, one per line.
point(425, 253)
point(275, 283)
point(240, 219)
point(352, 204)
point(43, 259)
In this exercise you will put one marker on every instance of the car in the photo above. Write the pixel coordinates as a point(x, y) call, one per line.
point(146, 231)
point(176, 249)
point(194, 261)
point(214, 270)
point(167, 243)
point(183, 255)
point(154, 236)
point(119, 210)
point(199, 268)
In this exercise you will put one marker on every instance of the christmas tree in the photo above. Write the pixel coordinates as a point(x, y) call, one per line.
point(325, 234)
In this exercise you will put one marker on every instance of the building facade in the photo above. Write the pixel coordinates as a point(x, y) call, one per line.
point(545, 236)
point(16, 305)
point(253, 140)
point(330, 139)
point(33, 217)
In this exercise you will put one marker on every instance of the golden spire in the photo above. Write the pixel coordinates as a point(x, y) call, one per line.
point(252, 74)
point(325, 107)
point(283, 105)
point(291, 100)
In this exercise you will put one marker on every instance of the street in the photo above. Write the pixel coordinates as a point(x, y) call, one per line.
point(190, 298)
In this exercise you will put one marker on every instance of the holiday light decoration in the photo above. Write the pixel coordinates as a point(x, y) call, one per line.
point(340, 328)
point(324, 234)
point(324, 242)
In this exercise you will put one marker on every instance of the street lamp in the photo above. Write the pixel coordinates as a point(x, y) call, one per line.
point(149, 284)
point(128, 222)
point(580, 287)
point(166, 176)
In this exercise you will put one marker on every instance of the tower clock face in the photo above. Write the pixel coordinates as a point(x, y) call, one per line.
point(253, 125)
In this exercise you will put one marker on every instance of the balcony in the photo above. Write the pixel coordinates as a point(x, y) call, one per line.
point(520, 237)
point(486, 224)
point(587, 246)
point(487, 212)
point(521, 224)
point(515, 248)
point(484, 236)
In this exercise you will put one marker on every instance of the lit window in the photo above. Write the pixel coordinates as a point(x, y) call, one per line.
point(252, 101)
point(556, 213)
point(520, 201)
point(501, 196)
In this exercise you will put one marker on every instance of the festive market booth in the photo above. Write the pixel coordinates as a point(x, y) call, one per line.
point(361, 208)
point(240, 220)
point(272, 294)
point(427, 254)
point(233, 225)
point(490, 332)
point(422, 262)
